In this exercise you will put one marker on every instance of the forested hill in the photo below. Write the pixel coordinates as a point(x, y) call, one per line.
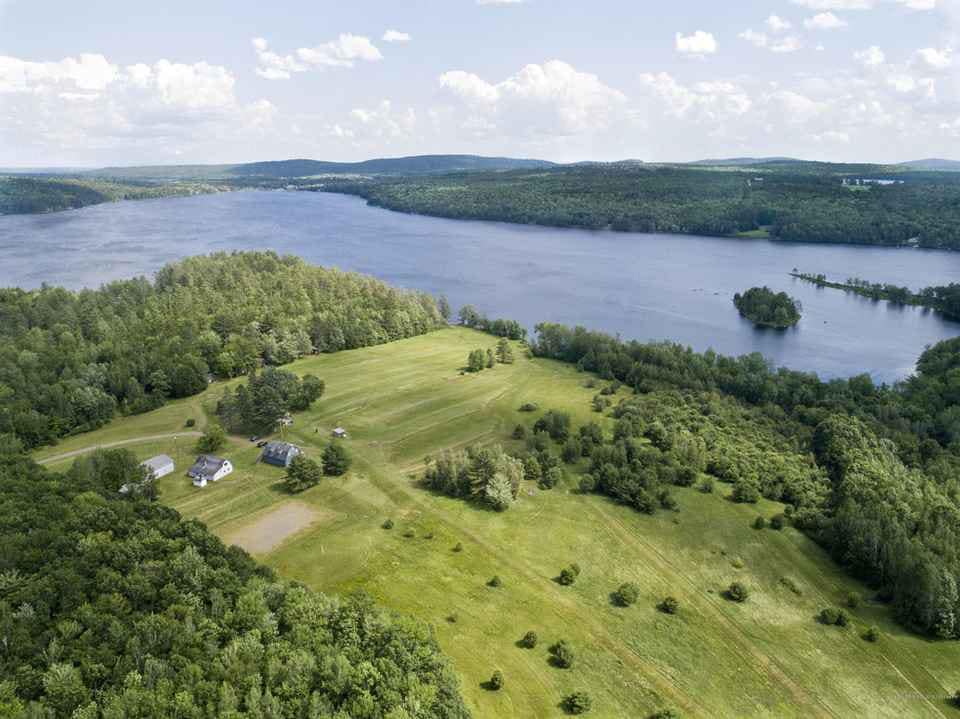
point(70, 360)
point(112, 606)
point(809, 202)
point(418, 164)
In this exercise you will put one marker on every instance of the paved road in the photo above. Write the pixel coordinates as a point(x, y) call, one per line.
point(120, 443)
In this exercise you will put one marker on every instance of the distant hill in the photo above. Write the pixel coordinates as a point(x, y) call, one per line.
point(932, 163)
point(418, 164)
point(738, 161)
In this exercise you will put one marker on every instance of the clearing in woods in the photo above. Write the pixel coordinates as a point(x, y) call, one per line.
point(405, 400)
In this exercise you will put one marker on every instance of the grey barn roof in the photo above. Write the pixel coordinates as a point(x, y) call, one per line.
point(206, 465)
point(155, 464)
point(279, 453)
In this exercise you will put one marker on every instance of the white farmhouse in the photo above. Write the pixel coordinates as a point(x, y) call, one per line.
point(208, 468)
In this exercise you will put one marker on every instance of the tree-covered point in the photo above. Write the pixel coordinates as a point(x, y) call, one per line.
point(807, 202)
point(30, 195)
point(767, 308)
point(942, 298)
point(70, 360)
point(115, 607)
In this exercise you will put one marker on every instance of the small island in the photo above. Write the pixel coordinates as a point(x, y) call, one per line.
point(766, 308)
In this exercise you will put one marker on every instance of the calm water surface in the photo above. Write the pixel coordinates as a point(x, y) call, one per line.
point(648, 287)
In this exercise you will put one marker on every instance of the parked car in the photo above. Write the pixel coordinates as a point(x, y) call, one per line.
point(262, 443)
point(254, 438)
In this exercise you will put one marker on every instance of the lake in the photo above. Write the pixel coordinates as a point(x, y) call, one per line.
point(647, 287)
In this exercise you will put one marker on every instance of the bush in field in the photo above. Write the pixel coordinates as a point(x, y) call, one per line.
point(562, 654)
point(626, 594)
point(853, 600)
point(496, 680)
point(778, 522)
point(669, 605)
point(577, 703)
point(387, 524)
point(745, 491)
point(519, 432)
point(302, 474)
point(737, 592)
point(336, 459)
point(531, 469)
point(529, 407)
point(567, 576)
point(872, 634)
point(551, 478)
point(587, 484)
point(706, 486)
point(212, 439)
point(529, 640)
point(759, 523)
point(495, 581)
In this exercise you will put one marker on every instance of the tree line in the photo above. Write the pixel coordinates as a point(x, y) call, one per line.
point(805, 202)
point(70, 361)
point(942, 298)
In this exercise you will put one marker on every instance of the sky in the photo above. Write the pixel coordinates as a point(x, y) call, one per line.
point(103, 82)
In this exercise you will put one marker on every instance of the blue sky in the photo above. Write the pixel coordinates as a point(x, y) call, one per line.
point(100, 82)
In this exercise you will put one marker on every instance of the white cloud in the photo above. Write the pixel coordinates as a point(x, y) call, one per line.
point(918, 4)
point(777, 24)
point(383, 122)
point(87, 103)
point(344, 52)
point(870, 57)
point(934, 59)
point(824, 21)
point(832, 136)
point(540, 101)
point(835, 4)
point(790, 43)
point(701, 102)
point(500, 2)
point(700, 43)
point(396, 36)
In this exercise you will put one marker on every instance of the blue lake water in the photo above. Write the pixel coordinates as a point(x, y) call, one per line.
point(647, 287)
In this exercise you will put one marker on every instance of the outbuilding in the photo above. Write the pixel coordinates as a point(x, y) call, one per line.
point(340, 433)
point(279, 454)
point(208, 468)
point(159, 466)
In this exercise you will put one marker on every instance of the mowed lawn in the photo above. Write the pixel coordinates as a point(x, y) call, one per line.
point(403, 401)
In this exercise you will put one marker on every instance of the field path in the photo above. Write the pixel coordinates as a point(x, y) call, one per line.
point(119, 443)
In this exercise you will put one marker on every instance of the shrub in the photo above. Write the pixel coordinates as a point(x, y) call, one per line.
point(409, 534)
point(577, 703)
point(562, 655)
point(853, 600)
point(587, 484)
point(529, 640)
point(706, 486)
point(387, 524)
point(664, 714)
point(843, 619)
point(737, 592)
point(759, 523)
point(567, 576)
point(191, 422)
point(302, 474)
point(872, 634)
point(458, 547)
point(529, 407)
point(669, 605)
point(496, 680)
point(519, 432)
point(495, 581)
point(791, 585)
point(832, 616)
point(745, 491)
point(572, 451)
point(955, 699)
point(626, 594)
point(531, 469)
point(777, 521)
point(212, 439)
point(685, 477)
point(336, 459)
point(550, 478)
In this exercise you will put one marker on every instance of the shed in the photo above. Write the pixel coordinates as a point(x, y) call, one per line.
point(279, 454)
point(340, 433)
point(159, 466)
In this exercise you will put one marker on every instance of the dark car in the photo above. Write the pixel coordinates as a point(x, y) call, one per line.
point(254, 438)
point(262, 443)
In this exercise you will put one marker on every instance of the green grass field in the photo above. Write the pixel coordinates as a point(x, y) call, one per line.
point(403, 401)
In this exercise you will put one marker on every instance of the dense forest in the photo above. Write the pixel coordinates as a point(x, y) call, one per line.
point(29, 195)
point(113, 606)
point(883, 493)
point(70, 360)
point(942, 298)
point(767, 308)
point(806, 202)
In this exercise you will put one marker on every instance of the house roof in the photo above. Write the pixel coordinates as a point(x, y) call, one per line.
point(280, 451)
point(207, 465)
point(161, 461)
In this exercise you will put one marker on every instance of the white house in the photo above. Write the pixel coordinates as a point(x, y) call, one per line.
point(208, 468)
point(157, 467)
